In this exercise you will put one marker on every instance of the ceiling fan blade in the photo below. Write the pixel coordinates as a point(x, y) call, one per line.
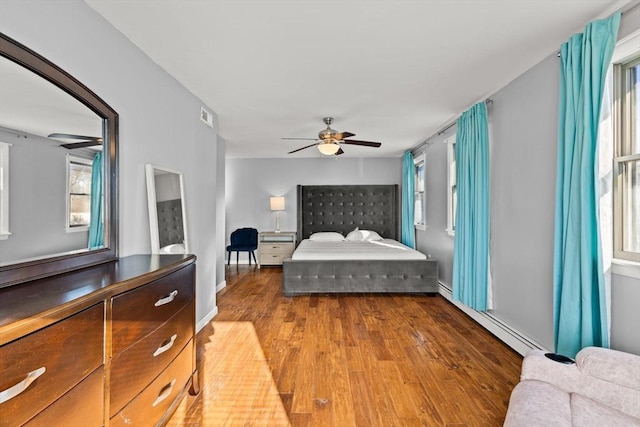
point(72, 145)
point(343, 135)
point(291, 152)
point(339, 152)
point(302, 139)
point(78, 137)
point(358, 142)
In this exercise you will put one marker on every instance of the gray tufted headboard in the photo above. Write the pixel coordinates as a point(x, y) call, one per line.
point(342, 208)
point(170, 224)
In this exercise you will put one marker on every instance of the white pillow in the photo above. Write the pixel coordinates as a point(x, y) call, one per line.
point(362, 235)
point(327, 236)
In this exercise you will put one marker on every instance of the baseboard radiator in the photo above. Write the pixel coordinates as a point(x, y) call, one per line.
point(510, 336)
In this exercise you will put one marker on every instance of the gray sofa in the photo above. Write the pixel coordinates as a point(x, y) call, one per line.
point(602, 388)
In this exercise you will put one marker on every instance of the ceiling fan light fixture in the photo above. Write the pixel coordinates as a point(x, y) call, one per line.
point(328, 148)
point(329, 140)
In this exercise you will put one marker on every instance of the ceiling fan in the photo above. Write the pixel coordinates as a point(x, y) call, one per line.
point(328, 140)
point(79, 141)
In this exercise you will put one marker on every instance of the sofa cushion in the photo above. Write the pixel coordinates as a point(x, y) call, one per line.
point(538, 404)
point(586, 412)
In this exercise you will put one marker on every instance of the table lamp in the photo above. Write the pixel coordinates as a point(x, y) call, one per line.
point(277, 205)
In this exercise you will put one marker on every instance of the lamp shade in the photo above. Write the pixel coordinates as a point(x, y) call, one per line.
point(328, 148)
point(276, 203)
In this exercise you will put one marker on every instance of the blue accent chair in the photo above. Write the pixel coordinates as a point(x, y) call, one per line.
point(243, 240)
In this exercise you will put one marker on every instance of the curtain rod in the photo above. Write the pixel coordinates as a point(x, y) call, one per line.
point(450, 125)
point(446, 128)
point(623, 10)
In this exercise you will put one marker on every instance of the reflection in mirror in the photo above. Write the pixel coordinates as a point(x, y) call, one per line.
point(167, 213)
point(52, 195)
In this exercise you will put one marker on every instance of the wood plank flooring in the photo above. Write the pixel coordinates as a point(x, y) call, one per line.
point(345, 360)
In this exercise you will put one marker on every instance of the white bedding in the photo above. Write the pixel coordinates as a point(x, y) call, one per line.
point(350, 250)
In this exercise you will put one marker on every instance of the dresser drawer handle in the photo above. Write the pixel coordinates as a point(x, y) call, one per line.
point(167, 299)
point(164, 393)
point(15, 390)
point(166, 346)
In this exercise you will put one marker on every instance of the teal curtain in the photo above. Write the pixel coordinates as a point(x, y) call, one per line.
point(471, 242)
point(580, 306)
point(408, 233)
point(96, 222)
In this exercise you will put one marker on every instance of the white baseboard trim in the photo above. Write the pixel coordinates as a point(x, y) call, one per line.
point(206, 319)
point(515, 339)
point(220, 286)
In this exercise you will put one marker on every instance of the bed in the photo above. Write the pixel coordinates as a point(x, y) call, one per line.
point(342, 208)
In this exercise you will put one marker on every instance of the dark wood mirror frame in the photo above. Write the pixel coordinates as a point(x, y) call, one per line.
point(25, 271)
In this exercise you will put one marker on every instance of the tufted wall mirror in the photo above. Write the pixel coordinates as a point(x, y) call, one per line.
point(167, 211)
point(46, 225)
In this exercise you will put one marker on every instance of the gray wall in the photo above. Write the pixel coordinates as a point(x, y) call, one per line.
point(159, 121)
point(220, 211)
point(625, 313)
point(522, 128)
point(250, 183)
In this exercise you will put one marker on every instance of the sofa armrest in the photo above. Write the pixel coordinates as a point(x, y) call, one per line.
point(536, 366)
point(572, 378)
point(610, 365)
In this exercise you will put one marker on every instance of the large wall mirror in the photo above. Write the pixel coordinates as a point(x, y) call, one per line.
point(167, 211)
point(58, 163)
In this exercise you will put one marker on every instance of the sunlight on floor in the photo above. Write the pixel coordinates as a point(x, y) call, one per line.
point(239, 389)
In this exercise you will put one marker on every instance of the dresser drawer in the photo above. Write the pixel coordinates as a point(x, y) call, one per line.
point(155, 400)
point(62, 354)
point(82, 406)
point(139, 312)
point(135, 367)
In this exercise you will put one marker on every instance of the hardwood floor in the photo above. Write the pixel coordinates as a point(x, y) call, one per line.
point(345, 360)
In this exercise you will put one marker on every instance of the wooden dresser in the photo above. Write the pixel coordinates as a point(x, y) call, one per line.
point(108, 345)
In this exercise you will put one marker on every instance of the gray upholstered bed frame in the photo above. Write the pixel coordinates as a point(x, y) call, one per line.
point(342, 208)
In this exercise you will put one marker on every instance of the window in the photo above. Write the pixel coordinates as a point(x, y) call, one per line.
point(4, 191)
point(626, 162)
point(452, 196)
point(79, 193)
point(420, 202)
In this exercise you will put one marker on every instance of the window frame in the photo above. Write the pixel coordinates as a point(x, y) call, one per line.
point(451, 183)
point(68, 227)
point(623, 113)
point(420, 159)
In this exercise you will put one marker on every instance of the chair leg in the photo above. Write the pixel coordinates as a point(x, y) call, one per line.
point(249, 253)
point(228, 257)
point(254, 257)
point(237, 257)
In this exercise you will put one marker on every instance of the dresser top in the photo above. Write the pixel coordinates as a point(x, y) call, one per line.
point(30, 306)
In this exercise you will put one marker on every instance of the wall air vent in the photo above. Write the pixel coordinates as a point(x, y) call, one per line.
point(206, 117)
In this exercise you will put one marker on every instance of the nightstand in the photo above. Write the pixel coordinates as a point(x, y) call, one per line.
point(274, 247)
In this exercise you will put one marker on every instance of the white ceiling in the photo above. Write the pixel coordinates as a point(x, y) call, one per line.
point(392, 71)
